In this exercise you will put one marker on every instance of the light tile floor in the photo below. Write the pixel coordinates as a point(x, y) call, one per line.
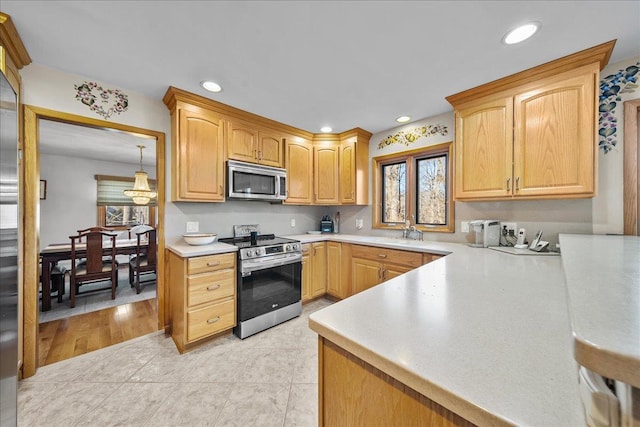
point(268, 379)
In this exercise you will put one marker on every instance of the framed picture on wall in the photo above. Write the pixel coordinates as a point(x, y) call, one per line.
point(43, 189)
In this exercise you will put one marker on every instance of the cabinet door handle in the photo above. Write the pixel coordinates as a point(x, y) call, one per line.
point(384, 274)
point(221, 190)
point(213, 264)
point(517, 183)
point(255, 154)
point(508, 184)
point(379, 272)
point(213, 320)
point(259, 155)
point(213, 288)
point(382, 255)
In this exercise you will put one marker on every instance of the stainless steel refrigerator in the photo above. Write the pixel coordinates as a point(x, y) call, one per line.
point(8, 254)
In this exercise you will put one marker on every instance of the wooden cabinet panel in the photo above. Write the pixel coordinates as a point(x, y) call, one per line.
point(208, 287)
point(365, 273)
point(531, 135)
point(353, 392)
point(347, 173)
point(484, 144)
point(211, 319)
point(318, 260)
point(326, 175)
point(242, 143)
point(427, 258)
point(248, 143)
point(393, 270)
point(554, 137)
point(406, 258)
point(270, 148)
point(337, 267)
point(203, 291)
point(299, 164)
point(203, 264)
point(197, 155)
point(306, 274)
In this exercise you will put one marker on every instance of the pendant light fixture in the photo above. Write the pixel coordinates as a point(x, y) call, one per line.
point(141, 193)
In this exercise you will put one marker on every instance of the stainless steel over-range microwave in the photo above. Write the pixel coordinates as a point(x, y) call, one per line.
point(249, 181)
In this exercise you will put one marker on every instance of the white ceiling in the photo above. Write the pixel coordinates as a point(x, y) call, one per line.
point(312, 63)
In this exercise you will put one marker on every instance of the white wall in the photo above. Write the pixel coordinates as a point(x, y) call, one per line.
point(71, 194)
point(53, 89)
point(608, 205)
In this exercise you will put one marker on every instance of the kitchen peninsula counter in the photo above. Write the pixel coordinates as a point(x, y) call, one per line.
point(483, 333)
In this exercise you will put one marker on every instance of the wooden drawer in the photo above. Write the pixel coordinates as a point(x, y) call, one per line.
point(211, 319)
point(427, 258)
point(411, 259)
point(203, 264)
point(208, 287)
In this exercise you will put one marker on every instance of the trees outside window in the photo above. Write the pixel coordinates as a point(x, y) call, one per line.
point(414, 186)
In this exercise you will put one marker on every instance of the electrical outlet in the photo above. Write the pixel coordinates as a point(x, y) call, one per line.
point(511, 227)
point(293, 222)
point(193, 226)
point(359, 223)
point(464, 226)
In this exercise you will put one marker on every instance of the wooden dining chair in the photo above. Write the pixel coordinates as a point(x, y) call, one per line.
point(97, 265)
point(145, 260)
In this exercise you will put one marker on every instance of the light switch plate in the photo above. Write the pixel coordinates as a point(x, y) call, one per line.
point(293, 222)
point(464, 226)
point(193, 226)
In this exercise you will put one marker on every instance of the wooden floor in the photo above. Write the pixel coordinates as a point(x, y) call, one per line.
point(65, 338)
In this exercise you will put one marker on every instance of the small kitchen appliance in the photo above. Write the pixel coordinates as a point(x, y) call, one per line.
point(326, 224)
point(487, 233)
point(269, 279)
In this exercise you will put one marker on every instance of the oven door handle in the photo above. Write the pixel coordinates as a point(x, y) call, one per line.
point(248, 268)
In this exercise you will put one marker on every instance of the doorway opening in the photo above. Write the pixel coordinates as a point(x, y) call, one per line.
point(37, 123)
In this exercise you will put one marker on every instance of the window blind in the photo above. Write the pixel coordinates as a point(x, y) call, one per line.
point(111, 190)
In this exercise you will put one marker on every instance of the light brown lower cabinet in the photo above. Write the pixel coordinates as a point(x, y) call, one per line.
point(314, 270)
point(354, 393)
point(203, 297)
point(371, 266)
point(338, 269)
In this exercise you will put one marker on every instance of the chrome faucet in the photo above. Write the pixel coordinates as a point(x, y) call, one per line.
point(412, 230)
point(406, 230)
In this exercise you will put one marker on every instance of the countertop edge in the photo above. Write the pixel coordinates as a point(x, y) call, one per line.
point(441, 396)
point(187, 251)
point(607, 363)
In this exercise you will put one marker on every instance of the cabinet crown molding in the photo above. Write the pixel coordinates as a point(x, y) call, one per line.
point(600, 54)
point(11, 41)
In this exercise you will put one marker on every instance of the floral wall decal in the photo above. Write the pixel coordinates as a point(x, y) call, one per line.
point(611, 87)
point(104, 102)
point(409, 136)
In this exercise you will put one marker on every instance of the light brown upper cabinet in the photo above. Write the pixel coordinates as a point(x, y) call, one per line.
point(354, 167)
point(531, 135)
point(340, 168)
point(197, 154)
point(298, 157)
point(326, 175)
point(249, 143)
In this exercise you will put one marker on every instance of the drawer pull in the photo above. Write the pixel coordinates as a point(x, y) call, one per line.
point(382, 255)
point(213, 264)
point(213, 288)
point(213, 320)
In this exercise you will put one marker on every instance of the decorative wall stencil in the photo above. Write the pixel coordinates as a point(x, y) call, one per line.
point(104, 102)
point(410, 136)
point(611, 87)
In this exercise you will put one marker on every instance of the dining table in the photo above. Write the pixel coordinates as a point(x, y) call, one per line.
point(56, 252)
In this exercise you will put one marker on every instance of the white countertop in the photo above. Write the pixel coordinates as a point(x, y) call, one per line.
point(603, 280)
point(484, 333)
point(185, 250)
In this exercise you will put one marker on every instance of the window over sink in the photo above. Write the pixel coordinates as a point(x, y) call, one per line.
point(415, 186)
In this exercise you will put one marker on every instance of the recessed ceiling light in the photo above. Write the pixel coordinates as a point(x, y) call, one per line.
point(521, 33)
point(403, 119)
point(325, 129)
point(211, 86)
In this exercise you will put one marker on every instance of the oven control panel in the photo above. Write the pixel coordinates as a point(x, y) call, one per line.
point(261, 251)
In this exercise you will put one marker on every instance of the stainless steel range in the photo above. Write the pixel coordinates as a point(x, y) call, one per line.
point(269, 280)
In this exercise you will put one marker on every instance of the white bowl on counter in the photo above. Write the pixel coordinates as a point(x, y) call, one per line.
point(198, 239)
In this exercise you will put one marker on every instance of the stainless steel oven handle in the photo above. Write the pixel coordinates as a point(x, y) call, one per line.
point(248, 266)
